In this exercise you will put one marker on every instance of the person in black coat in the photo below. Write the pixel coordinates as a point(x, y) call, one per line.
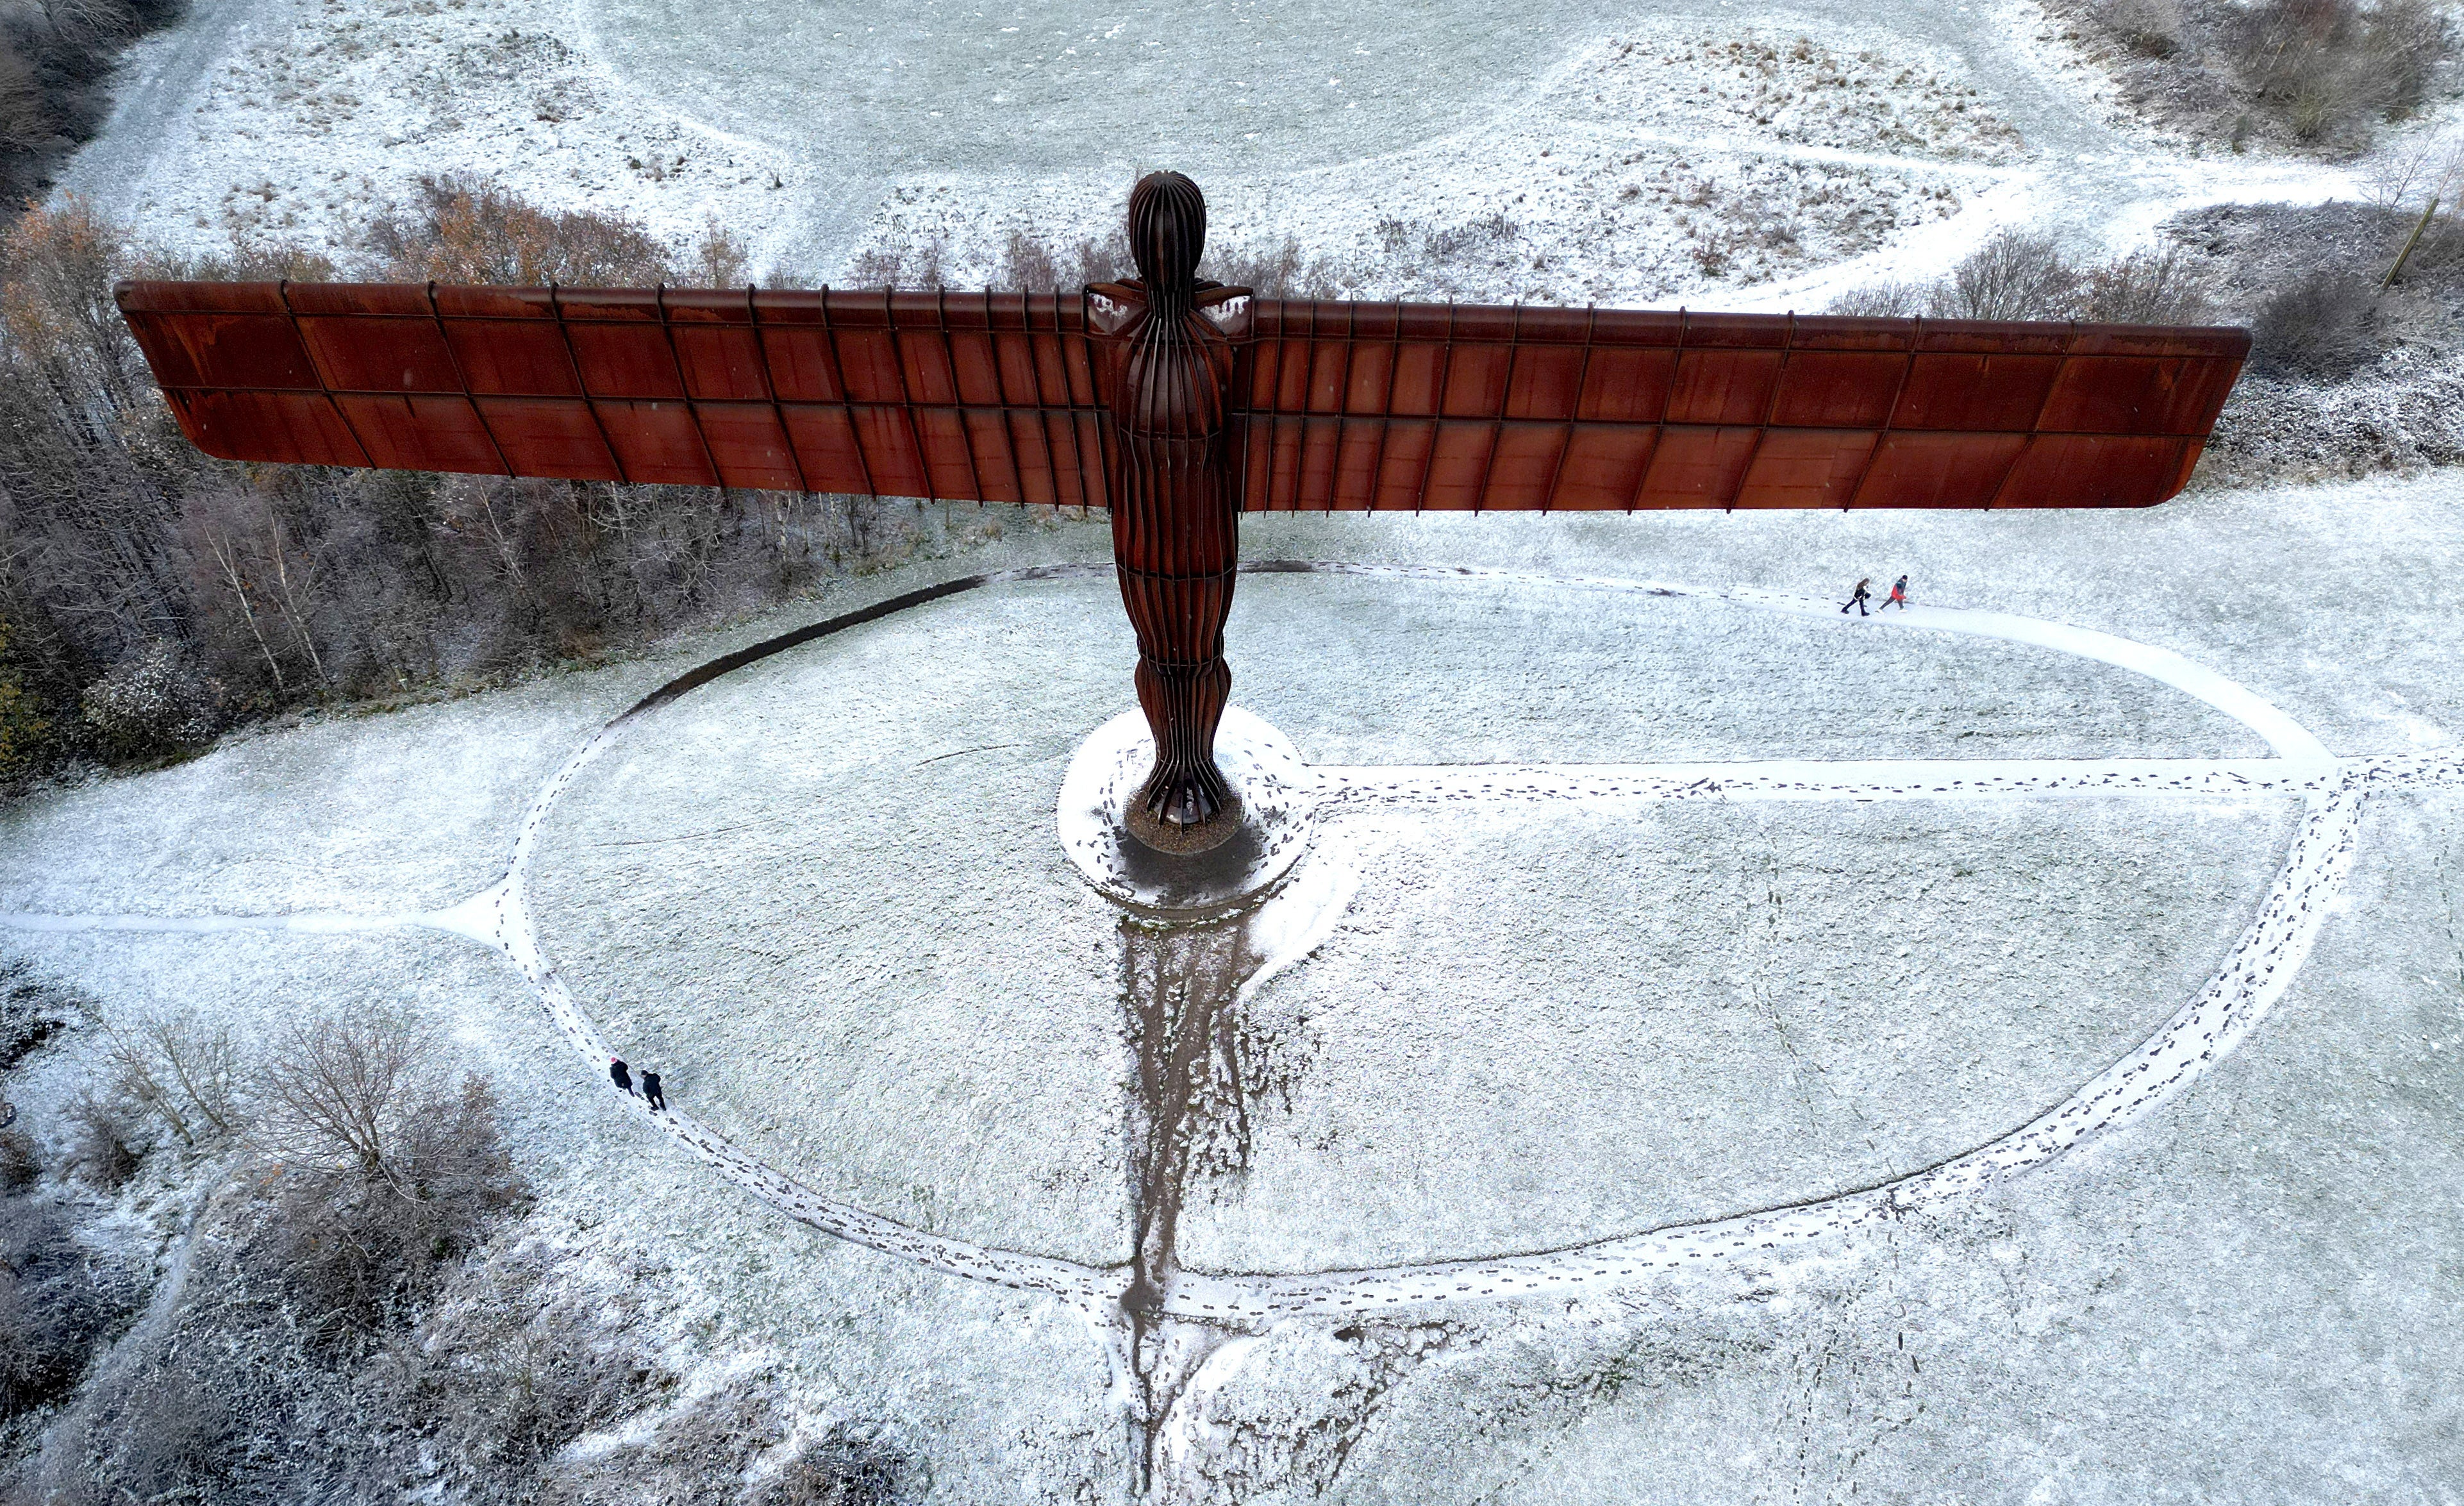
point(1858, 597)
point(658, 1101)
point(617, 1074)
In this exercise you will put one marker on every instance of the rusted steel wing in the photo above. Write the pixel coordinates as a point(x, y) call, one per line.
point(976, 397)
point(1408, 407)
point(992, 397)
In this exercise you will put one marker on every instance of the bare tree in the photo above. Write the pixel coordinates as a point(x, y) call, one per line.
point(295, 588)
point(719, 260)
point(179, 1068)
point(224, 552)
point(344, 1093)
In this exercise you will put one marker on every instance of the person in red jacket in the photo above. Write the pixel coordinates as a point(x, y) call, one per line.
point(1899, 596)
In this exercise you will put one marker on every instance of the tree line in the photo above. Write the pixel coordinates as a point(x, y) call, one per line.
point(150, 596)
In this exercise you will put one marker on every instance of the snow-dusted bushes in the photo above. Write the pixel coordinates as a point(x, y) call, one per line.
point(2020, 276)
point(320, 1250)
point(2322, 74)
point(502, 1375)
point(460, 229)
point(2329, 70)
point(103, 1141)
point(358, 1247)
point(19, 1163)
point(56, 1304)
point(2319, 325)
point(156, 698)
point(31, 1010)
point(847, 1466)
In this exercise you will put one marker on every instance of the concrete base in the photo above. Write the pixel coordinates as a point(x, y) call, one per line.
point(1275, 806)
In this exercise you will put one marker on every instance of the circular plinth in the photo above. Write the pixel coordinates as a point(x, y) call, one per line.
point(1276, 802)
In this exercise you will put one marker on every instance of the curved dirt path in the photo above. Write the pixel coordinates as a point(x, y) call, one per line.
point(159, 84)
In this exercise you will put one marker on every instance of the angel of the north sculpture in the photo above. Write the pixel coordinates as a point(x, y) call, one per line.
point(1177, 403)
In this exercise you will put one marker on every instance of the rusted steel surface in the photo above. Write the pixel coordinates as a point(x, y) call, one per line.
point(976, 397)
point(1346, 406)
point(993, 397)
point(1166, 351)
point(1177, 403)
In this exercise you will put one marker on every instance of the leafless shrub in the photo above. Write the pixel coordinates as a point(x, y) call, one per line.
point(2012, 276)
point(102, 1148)
point(19, 1163)
point(695, 1453)
point(849, 1466)
point(719, 260)
point(55, 1304)
point(2316, 73)
point(178, 1068)
point(1451, 244)
point(462, 229)
point(1103, 259)
point(1033, 263)
point(2327, 68)
point(1275, 271)
point(912, 265)
point(1883, 300)
point(32, 1010)
point(165, 1430)
point(253, 262)
point(1028, 263)
point(2146, 287)
point(2149, 28)
point(501, 1377)
point(2320, 325)
point(2028, 278)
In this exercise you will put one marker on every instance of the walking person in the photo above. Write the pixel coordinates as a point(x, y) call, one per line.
point(1859, 598)
point(1899, 596)
point(657, 1099)
point(617, 1075)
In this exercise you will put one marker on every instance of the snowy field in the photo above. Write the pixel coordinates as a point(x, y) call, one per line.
point(1662, 1080)
point(1742, 156)
point(824, 895)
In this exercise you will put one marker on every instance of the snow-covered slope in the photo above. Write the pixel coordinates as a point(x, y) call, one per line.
point(1757, 1116)
point(1745, 156)
point(825, 896)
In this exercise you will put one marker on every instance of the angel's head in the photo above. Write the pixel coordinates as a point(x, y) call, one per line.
point(1167, 230)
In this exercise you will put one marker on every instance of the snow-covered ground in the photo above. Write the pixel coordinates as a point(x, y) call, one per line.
point(1749, 156)
point(1708, 1097)
point(1594, 1001)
